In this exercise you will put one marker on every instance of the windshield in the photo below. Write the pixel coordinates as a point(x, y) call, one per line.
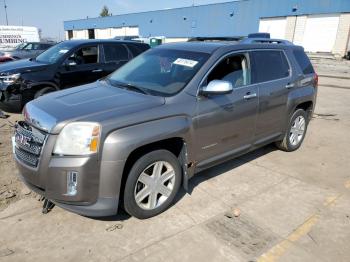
point(161, 72)
point(53, 54)
point(21, 46)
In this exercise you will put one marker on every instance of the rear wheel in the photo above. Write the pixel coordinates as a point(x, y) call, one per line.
point(44, 91)
point(296, 131)
point(152, 184)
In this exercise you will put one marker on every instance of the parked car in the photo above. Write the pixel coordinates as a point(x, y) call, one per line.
point(25, 50)
point(67, 64)
point(139, 134)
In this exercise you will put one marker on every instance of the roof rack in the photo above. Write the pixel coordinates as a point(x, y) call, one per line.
point(203, 39)
point(264, 41)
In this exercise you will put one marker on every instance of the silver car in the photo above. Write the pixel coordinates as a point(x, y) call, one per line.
point(25, 50)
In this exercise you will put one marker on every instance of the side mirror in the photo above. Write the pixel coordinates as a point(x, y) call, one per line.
point(217, 87)
point(69, 64)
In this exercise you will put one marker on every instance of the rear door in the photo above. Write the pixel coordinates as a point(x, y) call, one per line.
point(115, 55)
point(272, 74)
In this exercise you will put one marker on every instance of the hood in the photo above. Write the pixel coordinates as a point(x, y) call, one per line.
point(93, 102)
point(21, 66)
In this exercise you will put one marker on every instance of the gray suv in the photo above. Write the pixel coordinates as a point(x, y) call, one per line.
point(138, 135)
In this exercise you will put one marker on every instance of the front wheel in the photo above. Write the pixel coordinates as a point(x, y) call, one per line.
point(152, 184)
point(44, 91)
point(295, 133)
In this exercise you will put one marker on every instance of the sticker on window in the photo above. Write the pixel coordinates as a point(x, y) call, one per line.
point(63, 51)
point(185, 62)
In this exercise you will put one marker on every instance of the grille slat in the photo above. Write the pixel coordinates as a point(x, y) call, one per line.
point(29, 142)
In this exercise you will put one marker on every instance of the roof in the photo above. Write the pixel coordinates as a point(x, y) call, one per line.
point(246, 43)
point(98, 41)
point(204, 47)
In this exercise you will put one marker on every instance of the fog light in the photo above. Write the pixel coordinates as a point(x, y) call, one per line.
point(72, 182)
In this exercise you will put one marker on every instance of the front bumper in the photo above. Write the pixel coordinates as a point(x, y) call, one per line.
point(98, 182)
point(93, 199)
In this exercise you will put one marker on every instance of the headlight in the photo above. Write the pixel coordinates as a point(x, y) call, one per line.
point(10, 78)
point(79, 138)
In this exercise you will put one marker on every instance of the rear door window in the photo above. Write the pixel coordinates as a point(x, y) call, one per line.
point(269, 65)
point(115, 53)
point(304, 62)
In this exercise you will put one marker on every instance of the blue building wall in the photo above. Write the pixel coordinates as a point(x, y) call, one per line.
point(222, 19)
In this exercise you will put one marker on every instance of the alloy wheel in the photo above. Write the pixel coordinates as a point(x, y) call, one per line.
point(154, 185)
point(297, 131)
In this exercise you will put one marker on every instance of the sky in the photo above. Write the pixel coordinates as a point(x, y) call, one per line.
point(48, 15)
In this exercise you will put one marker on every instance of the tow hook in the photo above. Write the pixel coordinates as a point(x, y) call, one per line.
point(47, 206)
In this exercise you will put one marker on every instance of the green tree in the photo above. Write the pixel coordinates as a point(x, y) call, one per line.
point(105, 12)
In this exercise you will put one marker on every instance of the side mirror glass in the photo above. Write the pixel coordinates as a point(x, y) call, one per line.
point(217, 87)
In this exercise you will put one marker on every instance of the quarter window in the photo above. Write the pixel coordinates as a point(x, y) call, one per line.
point(303, 62)
point(269, 65)
point(114, 53)
point(234, 69)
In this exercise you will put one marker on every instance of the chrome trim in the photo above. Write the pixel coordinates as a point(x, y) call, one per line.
point(39, 118)
point(246, 53)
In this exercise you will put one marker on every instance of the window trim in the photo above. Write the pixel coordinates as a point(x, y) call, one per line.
point(246, 51)
point(242, 52)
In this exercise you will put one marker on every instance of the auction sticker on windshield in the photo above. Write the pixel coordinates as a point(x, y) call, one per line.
point(185, 62)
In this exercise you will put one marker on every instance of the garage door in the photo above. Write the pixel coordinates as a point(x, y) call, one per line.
point(275, 26)
point(320, 33)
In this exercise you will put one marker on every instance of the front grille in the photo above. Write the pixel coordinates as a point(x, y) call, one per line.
point(29, 142)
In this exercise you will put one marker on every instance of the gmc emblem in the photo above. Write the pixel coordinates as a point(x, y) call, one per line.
point(21, 139)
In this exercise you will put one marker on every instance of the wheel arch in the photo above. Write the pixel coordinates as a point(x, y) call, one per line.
point(126, 145)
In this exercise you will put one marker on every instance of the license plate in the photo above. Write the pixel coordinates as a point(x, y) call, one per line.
point(13, 139)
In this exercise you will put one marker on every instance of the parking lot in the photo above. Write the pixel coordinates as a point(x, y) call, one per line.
point(265, 206)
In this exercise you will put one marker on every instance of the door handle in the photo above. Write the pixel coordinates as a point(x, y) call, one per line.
point(290, 85)
point(249, 96)
point(96, 70)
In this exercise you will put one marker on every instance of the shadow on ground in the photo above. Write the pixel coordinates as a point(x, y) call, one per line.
point(202, 177)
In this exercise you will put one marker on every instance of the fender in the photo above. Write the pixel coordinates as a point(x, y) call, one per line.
point(297, 97)
point(119, 144)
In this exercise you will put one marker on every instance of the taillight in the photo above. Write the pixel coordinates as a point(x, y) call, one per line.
point(316, 80)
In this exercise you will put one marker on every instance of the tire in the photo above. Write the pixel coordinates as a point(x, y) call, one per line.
point(289, 144)
point(44, 91)
point(144, 181)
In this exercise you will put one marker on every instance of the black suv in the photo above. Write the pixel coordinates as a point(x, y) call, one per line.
point(67, 64)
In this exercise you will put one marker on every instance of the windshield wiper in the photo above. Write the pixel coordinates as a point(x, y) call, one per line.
point(131, 87)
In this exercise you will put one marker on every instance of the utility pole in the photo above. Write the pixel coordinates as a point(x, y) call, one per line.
point(5, 6)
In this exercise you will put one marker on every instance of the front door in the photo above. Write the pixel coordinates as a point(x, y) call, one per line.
point(225, 124)
point(82, 67)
